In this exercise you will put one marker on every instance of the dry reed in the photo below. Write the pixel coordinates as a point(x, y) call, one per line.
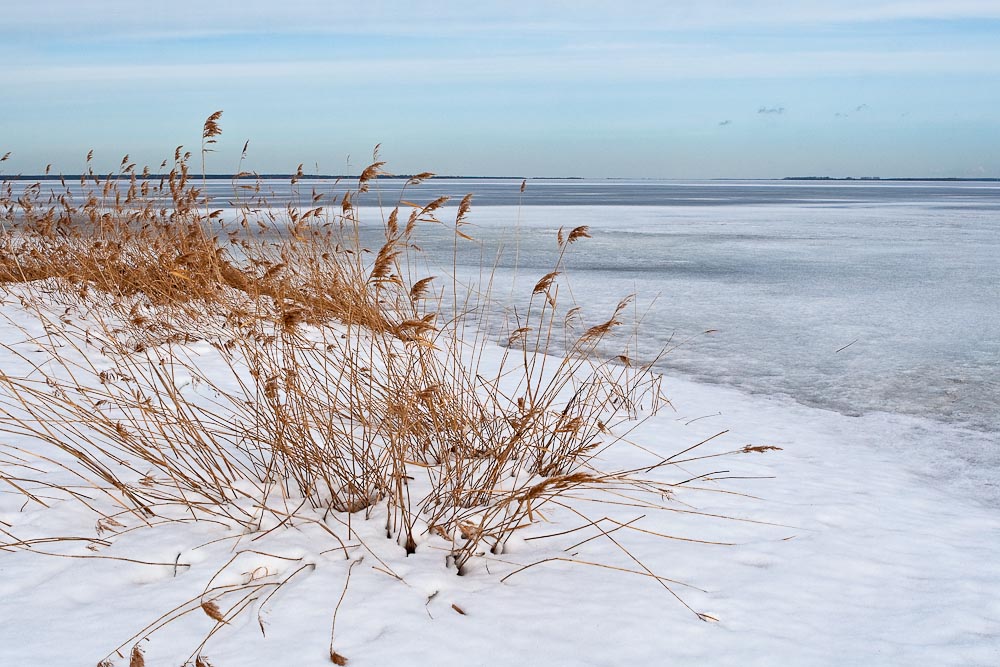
point(346, 387)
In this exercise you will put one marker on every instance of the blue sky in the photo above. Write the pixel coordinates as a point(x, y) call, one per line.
point(682, 89)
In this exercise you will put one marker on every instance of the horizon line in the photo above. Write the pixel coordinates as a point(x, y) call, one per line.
point(397, 177)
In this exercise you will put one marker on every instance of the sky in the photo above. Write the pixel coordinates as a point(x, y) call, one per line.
point(659, 89)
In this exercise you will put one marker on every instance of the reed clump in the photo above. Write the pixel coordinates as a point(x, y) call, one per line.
point(254, 365)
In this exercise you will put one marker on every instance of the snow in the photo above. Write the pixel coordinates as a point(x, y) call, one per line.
point(842, 548)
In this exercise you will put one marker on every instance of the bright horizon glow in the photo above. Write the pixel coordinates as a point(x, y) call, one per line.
point(686, 89)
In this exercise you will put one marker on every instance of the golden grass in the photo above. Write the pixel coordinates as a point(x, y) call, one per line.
point(344, 377)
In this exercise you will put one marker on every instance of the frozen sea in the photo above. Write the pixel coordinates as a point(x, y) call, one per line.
point(878, 300)
point(874, 299)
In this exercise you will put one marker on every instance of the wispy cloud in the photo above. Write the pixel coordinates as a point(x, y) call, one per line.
point(858, 109)
point(110, 17)
point(639, 65)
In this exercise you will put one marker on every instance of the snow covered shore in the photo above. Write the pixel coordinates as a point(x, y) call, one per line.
point(837, 552)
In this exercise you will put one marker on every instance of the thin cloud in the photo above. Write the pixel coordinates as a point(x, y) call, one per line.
point(645, 65)
point(309, 16)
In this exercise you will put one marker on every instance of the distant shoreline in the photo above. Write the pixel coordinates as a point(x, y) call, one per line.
point(878, 179)
point(403, 177)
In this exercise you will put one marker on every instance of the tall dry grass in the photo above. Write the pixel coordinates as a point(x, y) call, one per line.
point(196, 359)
